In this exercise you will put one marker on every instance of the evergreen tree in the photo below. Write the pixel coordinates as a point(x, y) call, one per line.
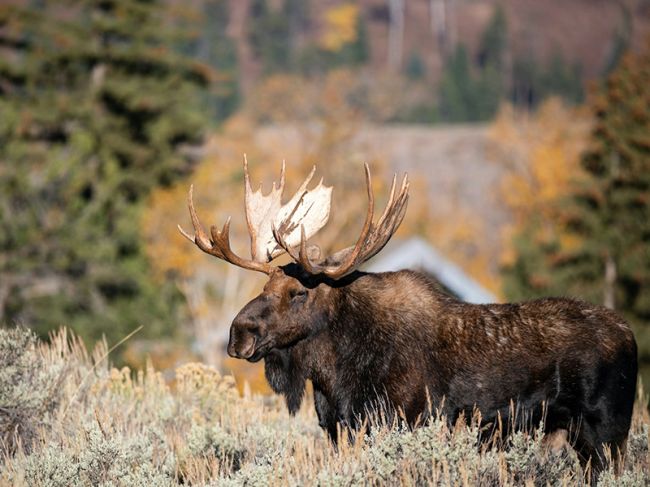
point(216, 49)
point(563, 80)
point(457, 88)
point(526, 90)
point(494, 41)
point(94, 109)
point(355, 53)
point(269, 36)
point(604, 255)
point(415, 68)
point(468, 95)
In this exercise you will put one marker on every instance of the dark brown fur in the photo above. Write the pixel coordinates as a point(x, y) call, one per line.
point(398, 339)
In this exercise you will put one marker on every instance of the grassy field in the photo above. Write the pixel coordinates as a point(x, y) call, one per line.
point(67, 418)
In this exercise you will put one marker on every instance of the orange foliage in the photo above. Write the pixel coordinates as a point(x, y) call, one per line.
point(541, 155)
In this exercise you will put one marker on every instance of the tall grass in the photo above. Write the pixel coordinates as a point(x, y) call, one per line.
point(68, 418)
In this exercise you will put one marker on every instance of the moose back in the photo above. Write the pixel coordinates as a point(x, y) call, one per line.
point(396, 339)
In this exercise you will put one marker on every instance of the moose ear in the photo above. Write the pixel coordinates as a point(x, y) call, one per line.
point(285, 377)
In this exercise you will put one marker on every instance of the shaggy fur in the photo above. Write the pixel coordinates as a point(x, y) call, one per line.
point(396, 337)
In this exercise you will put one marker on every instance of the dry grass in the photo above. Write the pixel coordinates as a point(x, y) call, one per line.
point(67, 418)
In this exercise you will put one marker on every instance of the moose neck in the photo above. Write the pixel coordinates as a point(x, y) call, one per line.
point(372, 310)
point(368, 313)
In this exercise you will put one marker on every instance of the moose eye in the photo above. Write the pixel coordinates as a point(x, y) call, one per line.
point(297, 293)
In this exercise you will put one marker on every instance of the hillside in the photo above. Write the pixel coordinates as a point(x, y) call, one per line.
point(587, 32)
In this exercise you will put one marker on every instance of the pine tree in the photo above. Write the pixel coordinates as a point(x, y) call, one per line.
point(214, 47)
point(605, 255)
point(95, 108)
point(468, 95)
point(494, 41)
point(458, 88)
point(269, 36)
point(563, 80)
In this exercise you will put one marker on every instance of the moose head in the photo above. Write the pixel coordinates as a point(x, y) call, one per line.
point(296, 300)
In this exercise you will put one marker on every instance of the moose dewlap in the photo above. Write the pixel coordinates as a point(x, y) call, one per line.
point(397, 340)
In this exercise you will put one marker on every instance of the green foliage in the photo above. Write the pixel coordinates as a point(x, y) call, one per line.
point(216, 49)
point(494, 41)
point(532, 83)
point(269, 36)
point(415, 68)
point(95, 107)
point(465, 97)
point(606, 214)
point(563, 79)
point(472, 92)
point(113, 427)
point(468, 94)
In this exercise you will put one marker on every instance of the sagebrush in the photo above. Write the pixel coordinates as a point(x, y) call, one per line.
point(68, 418)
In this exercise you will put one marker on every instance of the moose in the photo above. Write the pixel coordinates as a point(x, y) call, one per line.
point(398, 340)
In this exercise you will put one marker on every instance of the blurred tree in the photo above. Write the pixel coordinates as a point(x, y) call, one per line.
point(540, 154)
point(214, 47)
point(269, 35)
point(415, 68)
point(340, 26)
point(526, 88)
point(604, 256)
point(620, 40)
point(343, 42)
point(95, 110)
point(458, 89)
point(467, 95)
point(494, 41)
point(563, 80)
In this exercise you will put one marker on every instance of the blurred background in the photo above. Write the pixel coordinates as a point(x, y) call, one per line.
point(524, 126)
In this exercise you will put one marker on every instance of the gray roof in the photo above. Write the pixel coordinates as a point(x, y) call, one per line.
point(417, 254)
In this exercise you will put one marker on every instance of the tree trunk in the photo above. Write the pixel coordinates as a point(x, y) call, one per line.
point(395, 33)
point(609, 299)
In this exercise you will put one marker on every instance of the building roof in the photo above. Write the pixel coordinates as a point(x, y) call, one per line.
point(417, 254)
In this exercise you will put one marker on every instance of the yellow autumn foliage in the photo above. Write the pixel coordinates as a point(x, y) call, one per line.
point(540, 153)
point(340, 26)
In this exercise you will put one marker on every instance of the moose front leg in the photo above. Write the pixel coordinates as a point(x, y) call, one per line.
point(326, 414)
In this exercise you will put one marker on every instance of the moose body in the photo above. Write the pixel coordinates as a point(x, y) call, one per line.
point(395, 340)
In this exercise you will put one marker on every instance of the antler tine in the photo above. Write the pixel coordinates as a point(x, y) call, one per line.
point(389, 203)
point(371, 240)
point(222, 242)
point(302, 255)
point(219, 245)
point(349, 262)
point(200, 237)
point(394, 214)
point(380, 234)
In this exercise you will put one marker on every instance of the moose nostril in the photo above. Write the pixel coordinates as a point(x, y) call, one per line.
point(231, 350)
point(253, 328)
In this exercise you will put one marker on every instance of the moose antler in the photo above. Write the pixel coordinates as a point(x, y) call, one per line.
point(372, 239)
point(304, 214)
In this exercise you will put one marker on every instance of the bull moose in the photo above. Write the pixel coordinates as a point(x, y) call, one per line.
point(396, 338)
